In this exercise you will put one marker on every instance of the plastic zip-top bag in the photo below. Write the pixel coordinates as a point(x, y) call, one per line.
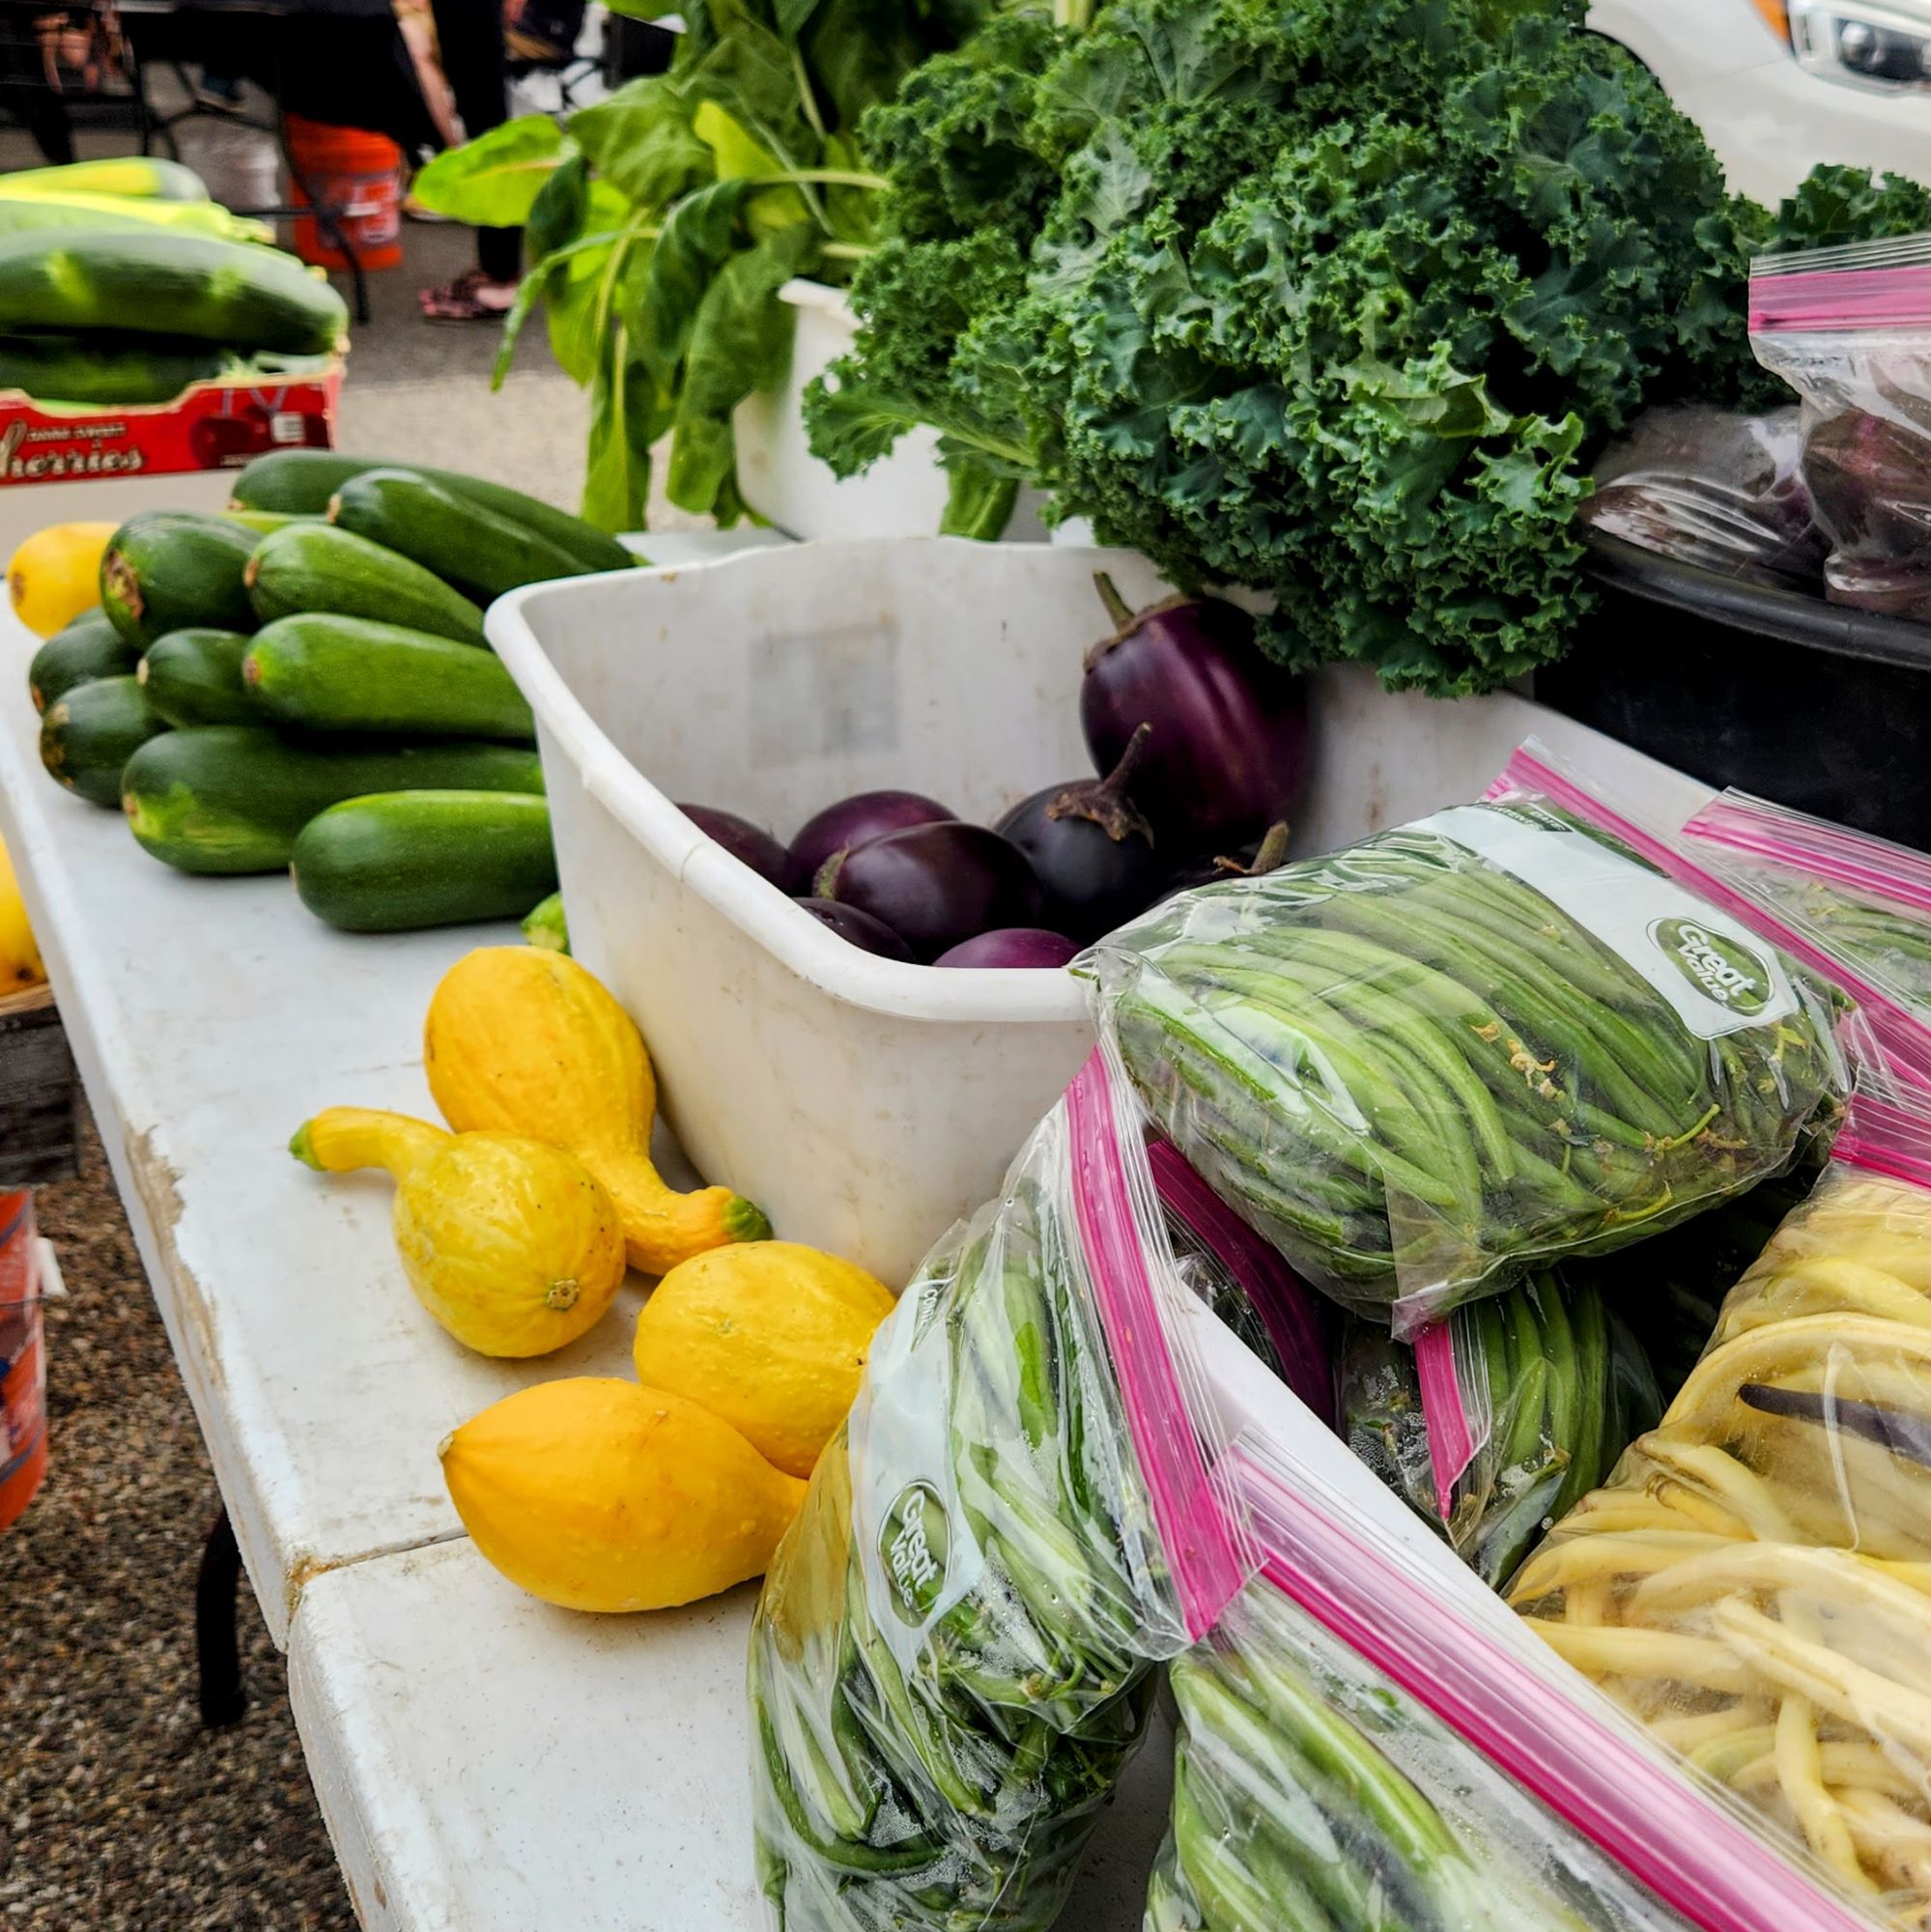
point(1431, 1062)
point(1711, 486)
point(1369, 1739)
point(1849, 328)
point(1856, 907)
point(953, 1656)
point(1754, 1582)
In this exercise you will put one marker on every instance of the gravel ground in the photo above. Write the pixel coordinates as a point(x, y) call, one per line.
point(118, 1813)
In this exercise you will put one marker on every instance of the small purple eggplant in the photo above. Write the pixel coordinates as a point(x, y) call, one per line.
point(857, 821)
point(1013, 946)
point(935, 885)
point(869, 934)
point(743, 840)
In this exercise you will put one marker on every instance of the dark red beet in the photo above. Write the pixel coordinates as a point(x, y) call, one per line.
point(860, 928)
point(936, 885)
point(743, 840)
point(1013, 946)
point(859, 819)
point(1229, 750)
point(1091, 848)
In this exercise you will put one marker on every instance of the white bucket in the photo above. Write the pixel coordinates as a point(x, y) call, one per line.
point(866, 1103)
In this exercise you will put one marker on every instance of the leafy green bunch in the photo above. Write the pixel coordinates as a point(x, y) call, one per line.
point(663, 221)
point(1328, 297)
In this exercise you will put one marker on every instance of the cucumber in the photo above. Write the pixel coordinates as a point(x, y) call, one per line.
point(316, 567)
point(304, 480)
point(164, 570)
point(194, 678)
point(459, 540)
point(545, 925)
point(265, 522)
point(231, 798)
point(402, 860)
point(79, 653)
point(106, 369)
point(161, 283)
point(90, 732)
point(318, 673)
point(138, 177)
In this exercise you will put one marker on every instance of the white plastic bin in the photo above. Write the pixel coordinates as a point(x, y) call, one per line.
point(866, 1103)
point(902, 494)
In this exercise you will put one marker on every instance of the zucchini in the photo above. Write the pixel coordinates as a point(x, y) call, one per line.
point(264, 522)
point(132, 177)
point(459, 540)
point(90, 732)
point(402, 860)
point(544, 924)
point(316, 567)
point(164, 570)
point(102, 369)
point(194, 678)
point(79, 653)
point(161, 283)
point(231, 798)
point(74, 213)
point(319, 673)
point(304, 480)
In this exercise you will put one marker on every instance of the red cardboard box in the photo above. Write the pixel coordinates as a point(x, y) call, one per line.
point(220, 424)
point(23, 1372)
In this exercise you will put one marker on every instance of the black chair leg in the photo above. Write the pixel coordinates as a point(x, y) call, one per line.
point(217, 1646)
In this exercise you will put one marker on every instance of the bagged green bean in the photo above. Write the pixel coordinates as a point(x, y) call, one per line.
point(1425, 1064)
point(1498, 1419)
point(1364, 1743)
point(953, 1656)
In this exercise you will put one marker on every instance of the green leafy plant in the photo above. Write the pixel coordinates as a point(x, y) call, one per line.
point(1331, 298)
point(663, 221)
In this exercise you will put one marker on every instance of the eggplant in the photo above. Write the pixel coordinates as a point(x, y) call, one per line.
point(857, 821)
point(752, 844)
point(869, 934)
point(1267, 855)
point(1013, 946)
point(1091, 848)
point(936, 885)
point(1228, 750)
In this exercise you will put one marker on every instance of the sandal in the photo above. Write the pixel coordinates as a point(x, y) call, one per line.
point(470, 298)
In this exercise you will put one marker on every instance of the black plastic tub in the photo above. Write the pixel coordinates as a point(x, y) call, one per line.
point(1775, 691)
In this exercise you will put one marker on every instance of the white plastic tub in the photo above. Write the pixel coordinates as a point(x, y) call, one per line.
point(864, 1104)
point(902, 494)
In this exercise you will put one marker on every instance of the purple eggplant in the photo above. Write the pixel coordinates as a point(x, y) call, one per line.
point(743, 840)
point(935, 885)
point(1252, 861)
point(1229, 741)
point(864, 932)
point(857, 821)
point(1091, 848)
point(1013, 946)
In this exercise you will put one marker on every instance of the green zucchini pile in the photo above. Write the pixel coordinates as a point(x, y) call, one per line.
point(1420, 1076)
point(304, 683)
point(121, 283)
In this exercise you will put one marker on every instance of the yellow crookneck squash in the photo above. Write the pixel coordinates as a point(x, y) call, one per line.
point(511, 1244)
point(597, 1494)
point(523, 1040)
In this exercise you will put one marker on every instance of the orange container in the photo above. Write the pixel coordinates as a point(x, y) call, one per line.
point(23, 1359)
point(360, 176)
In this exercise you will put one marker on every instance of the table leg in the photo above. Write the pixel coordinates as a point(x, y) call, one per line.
point(217, 1645)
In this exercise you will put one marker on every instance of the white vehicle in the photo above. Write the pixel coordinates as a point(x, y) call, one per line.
point(1779, 85)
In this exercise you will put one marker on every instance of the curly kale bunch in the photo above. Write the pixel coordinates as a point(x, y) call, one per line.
point(1328, 297)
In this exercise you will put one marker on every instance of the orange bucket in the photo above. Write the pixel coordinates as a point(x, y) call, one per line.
point(23, 1359)
point(360, 176)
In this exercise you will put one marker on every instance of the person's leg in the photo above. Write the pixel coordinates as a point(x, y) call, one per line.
point(469, 41)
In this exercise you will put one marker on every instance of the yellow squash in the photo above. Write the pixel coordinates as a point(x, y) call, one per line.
point(509, 1243)
point(597, 1494)
point(771, 1337)
point(523, 1040)
point(21, 963)
point(55, 575)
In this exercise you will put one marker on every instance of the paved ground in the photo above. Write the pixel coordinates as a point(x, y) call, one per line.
point(118, 1813)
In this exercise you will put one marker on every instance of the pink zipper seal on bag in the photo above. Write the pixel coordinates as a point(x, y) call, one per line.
point(1191, 1512)
point(1820, 302)
point(1659, 1824)
point(1813, 847)
point(1451, 1436)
